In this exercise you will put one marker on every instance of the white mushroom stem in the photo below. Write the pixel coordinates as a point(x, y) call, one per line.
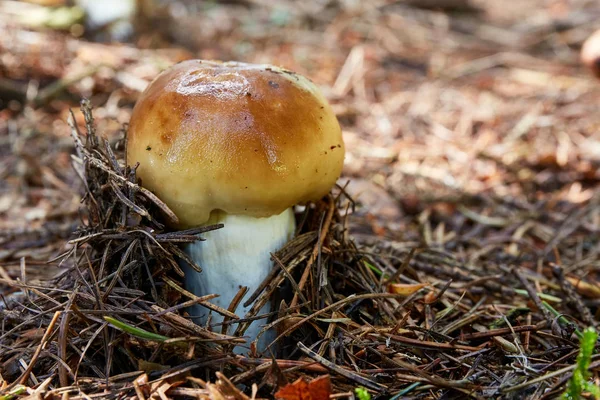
point(239, 254)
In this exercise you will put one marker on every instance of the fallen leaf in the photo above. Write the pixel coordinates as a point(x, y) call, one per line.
point(317, 389)
point(430, 297)
point(405, 289)
point(584, 288)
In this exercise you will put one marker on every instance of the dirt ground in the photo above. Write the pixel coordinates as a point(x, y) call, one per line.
point(472, 134)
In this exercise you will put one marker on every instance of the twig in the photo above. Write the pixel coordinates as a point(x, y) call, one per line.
point(533, 295)
point(25, 376)
point(341, 371)
point(315, 253)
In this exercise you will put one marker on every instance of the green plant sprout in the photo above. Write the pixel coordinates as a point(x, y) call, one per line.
point(132, 330)
point(579, 382)
point(14, 393)
point(362, 394)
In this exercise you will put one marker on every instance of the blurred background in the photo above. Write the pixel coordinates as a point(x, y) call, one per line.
point(444, 104)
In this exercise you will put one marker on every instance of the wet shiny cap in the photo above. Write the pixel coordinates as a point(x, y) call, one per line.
point(241, 138)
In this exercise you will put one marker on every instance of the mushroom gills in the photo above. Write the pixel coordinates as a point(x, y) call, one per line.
point(239, 254)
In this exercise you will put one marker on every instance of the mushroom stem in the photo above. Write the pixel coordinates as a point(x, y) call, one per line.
point(237, 255)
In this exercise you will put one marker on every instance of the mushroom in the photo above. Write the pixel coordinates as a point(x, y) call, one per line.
point(238, 144)
point(590, 53)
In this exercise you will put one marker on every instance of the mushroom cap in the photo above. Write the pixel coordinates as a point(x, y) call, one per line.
point(590, 53)
point(242, 138)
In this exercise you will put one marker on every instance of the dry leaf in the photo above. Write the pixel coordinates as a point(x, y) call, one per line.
point(585, 288)
point(141, 386)
point(430, 297)
point(405, 289)
point(317, 389)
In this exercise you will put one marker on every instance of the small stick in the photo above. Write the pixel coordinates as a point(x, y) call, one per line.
point(533, 295)
point(549, 375)
point(63, 335)
point(315, 252)
point(342, 371)
point(204, 303)
point(573, 296)
point(298, 364)
point(424, 344)
point(233, 305)
point(25, 376)
point(334, 306)
point(501, 331)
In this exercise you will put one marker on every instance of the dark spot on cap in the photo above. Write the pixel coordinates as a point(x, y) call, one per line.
point(332, 147)
point(274, 85)
point(148, 148)
point(248, 94)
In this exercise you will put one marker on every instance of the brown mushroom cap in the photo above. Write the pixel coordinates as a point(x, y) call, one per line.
point(590, 53)
point(241, 138)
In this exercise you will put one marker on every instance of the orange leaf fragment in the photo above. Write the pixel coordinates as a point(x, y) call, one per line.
point(405, 289)
point(584, 288)
point(430, 297)
point(317, 389)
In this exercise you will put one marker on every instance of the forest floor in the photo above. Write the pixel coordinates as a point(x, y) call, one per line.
point(461, 250)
